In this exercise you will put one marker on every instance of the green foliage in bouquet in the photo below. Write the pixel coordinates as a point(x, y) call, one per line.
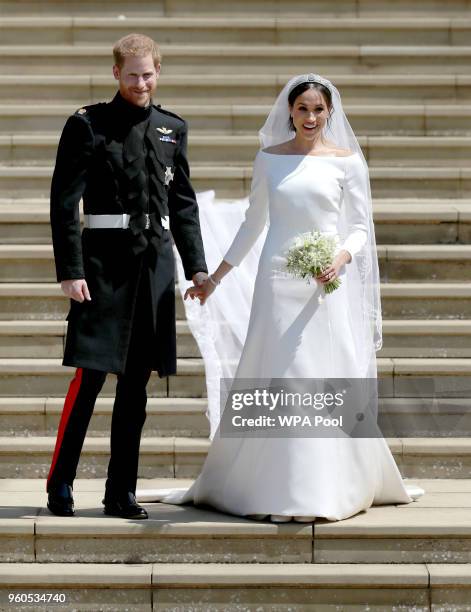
point(310, 255)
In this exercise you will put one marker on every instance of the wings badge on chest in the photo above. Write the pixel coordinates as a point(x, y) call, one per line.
point(165, 134)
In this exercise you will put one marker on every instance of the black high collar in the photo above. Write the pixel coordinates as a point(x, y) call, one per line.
point(129, 111)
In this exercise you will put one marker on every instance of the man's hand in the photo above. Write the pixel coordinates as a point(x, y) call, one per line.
point(76, 289)
point(199, 278)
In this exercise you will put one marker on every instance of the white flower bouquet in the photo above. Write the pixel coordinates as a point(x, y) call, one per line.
point(310, 255)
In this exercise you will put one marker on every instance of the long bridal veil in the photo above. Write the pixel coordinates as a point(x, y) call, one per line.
point(220, 326)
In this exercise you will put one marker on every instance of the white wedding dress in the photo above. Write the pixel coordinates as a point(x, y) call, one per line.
point(295, 333)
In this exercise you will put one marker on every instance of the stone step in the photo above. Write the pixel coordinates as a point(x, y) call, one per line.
point(236, 586)
point(441, 417)
point(39, 149)
point(180, 457)
point(422, 338)
point(401, 338)
point(120, 9)
point(38, 301)
point(412, 119)
point(423, 262)
point(438, 417)
point(360, 88)
point(421, 222)
point(247, 58)
point(48, 377)
point(436, 529)
point(411, 300)
point(398, 377)
point(234, 181)
point(39, 416)
point(425, 300)
point(39, 339)
point(405, 262)
point(245, 30)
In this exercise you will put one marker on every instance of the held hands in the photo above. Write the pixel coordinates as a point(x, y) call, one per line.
point(202, 288)
point(332, 272)
point(76, 289)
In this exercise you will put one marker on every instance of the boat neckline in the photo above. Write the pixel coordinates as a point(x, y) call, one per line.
point(303, 155)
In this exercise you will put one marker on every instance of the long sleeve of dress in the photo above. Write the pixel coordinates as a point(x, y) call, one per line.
point(255, 216)
point(355, 193)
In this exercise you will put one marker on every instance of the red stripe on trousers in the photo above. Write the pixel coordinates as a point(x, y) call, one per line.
point(69, 404)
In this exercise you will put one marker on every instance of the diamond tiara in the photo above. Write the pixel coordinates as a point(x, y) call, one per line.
point(311, 78)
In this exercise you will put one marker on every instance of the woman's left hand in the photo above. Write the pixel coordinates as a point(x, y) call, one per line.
point(332, 272)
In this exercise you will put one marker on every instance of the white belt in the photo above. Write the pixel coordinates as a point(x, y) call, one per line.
point(113, 221)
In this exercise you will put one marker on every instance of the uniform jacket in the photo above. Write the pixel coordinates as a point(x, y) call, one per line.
point(120, 158)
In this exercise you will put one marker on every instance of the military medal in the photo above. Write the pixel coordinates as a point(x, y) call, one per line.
point(168, 174)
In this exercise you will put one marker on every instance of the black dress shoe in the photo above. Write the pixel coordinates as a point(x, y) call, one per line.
point(60, 500)
point(124, 506)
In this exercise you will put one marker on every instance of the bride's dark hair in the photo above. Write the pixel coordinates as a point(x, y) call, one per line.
point(300, 89)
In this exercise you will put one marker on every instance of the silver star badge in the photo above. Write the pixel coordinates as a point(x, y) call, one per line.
point(168, 174)
point(164, 130)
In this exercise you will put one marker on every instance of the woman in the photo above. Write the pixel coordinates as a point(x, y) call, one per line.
point(311, 174)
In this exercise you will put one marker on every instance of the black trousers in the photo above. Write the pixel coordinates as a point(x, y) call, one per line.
point(129, 409)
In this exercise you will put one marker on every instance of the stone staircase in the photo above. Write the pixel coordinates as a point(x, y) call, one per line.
point(404, 71)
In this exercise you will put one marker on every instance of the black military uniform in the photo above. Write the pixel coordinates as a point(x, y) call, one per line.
point(128, 164)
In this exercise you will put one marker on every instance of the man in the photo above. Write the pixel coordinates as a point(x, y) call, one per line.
point(127, 160)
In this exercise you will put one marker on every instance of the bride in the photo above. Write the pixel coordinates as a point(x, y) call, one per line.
point(310, 173)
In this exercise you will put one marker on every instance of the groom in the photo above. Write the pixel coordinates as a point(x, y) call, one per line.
point(127, 160)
